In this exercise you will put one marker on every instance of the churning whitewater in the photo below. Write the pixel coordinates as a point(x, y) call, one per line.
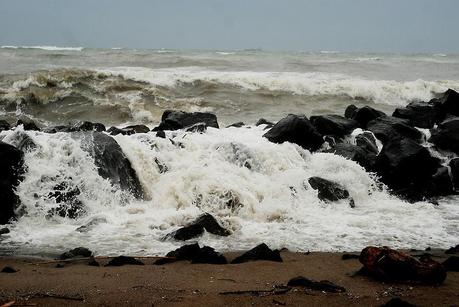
point(257, 189)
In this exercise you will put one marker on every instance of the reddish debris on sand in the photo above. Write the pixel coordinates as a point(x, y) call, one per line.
point(386, 263)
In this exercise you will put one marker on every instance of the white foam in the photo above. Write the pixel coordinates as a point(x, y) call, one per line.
point(279, 207)
point(48, 48)
point(396, 93)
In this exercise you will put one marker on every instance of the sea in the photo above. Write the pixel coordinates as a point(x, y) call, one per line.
point(271, 201)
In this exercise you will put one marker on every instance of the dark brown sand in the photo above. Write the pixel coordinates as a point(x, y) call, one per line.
point(185, 284)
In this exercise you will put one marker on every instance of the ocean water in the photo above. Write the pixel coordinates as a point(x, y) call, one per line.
point(272, 200)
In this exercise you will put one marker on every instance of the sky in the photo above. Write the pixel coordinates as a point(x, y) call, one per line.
point(310, 25)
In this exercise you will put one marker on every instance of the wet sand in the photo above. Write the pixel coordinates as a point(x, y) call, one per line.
point(185, 284)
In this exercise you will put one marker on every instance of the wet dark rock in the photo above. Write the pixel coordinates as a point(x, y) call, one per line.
point(75, 253)
point(329, 190)
point(355, 153)
point(91, 224)
point(124, 260)
point(113, 164)
point(236, 125)
point(397, 302)
point(441, 183)
point(4, 125)
point(453, 250)
point(116, 131)
point(388, 264)
point(364, 115)
point(11, 170)
point(388, 128)
point(295, 129)
point(185, 252)
point(350, 111)
point(8, 269)
point(334, 125)
point(161, 134)
point(196, 228)
point(87, 126)
point(418, 114)
point(55, 129)
point(446, 136)
point(209, 255)
point(407, 168)
point(93, 262)
point(349, 256)
point(28, 124)
point(452, 264)
point(137, 128)
point(260, 252)
point(161, 166)
point(447, 104)
point(4, 231)
point(367, 141)
point(238, 154)
point(67, 198)
point(324, 285)
point(22, 141)
point(199, 127)
point(330, 140)
point(454, 166)
point(263, 121)
point(174, 120)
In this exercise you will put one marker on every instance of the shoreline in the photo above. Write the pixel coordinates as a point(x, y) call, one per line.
point(184, 284)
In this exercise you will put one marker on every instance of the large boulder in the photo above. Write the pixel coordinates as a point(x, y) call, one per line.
point(28, 124)
point(112, 163)
point(11, 170)
point(329, 190)
point(128, 130)
point(447, 135)
point(174, 120)
point(362, 115)
point(196, 228)
point(447, 104)
point(295, 129)
point(418, 114)
point(360, 154)
point(407, 168)
point(333, 125)
point(387, 128)
point(388, 264)
point(367, 141)
point(194, 253)
point(260, 252)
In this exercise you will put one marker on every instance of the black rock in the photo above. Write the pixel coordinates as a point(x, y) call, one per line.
point(334, 125)
point(56, 129)
point(196, 228)
point(161, 166)
point(367, 141)
point(453, 250)
point(397, 302)
point(454, 166)
point(236, 125)
point(161, 134)
point(8, 269)
point(22, 141)
point(174, 120)
point(4, 125)
point(185, 252)
point(364, 115)
point(418, 114)
point(67, 198)
point(86, 126)
point(93, 262)
point(260, 252)
point(447, 135)
point(324, 285)
point(441, 183)
point(295, 129)
point(123, 260)
point(11, 170)
point(91, 224)
point(199, 127)
point(355, 153)
point(387, 128)
point(209, 255)
point(447, 104)
point(349, 256)
point(452, 264)
point(116, 131)
point(263, 121)
point(350, 111)
point(76, 252)
point(27, 124)
point(407, 168)
point(4, 231)
point(137, 128)
point(329, 190)
point(113, 164)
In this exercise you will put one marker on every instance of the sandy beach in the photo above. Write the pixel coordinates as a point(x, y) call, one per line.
point(257, 283)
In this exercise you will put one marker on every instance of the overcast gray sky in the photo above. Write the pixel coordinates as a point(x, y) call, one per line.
point(308, 25)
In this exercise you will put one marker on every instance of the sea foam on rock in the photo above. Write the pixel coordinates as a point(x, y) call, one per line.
point(174, 120)
point(196, 228)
